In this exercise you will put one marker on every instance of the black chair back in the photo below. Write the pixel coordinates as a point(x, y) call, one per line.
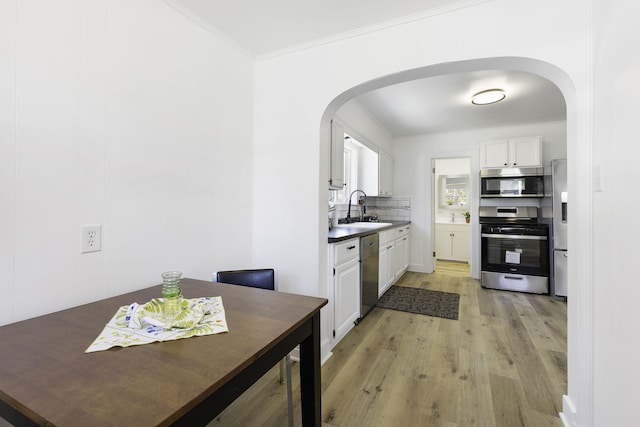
point(263, 278)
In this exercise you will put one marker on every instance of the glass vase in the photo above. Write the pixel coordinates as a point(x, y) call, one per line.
point(171, 293)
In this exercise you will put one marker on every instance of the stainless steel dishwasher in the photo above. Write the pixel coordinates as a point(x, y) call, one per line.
point(369, 255)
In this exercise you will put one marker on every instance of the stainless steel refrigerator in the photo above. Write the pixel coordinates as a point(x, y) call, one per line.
point(560, 247)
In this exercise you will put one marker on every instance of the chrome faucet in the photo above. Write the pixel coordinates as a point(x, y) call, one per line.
point(453, 217)
point(363, 208)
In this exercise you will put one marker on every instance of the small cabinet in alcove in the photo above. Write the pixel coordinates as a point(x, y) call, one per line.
point(510, 153)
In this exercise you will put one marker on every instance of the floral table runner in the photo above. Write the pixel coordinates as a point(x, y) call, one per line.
point(137, 324)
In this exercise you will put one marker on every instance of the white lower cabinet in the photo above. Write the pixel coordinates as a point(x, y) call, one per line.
point(346, 286)
point(383, 265)
point(453, 242)
point(392, 260)
point(394, 256)
point(344, 261)
point(402, 245)
point(402, 249)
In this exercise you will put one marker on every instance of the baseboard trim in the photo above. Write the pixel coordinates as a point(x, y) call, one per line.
point(568, 416)
point(325, 358)
point(325, 353)
point(417, 268)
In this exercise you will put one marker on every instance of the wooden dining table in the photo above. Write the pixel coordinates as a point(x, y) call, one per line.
point(47, 379)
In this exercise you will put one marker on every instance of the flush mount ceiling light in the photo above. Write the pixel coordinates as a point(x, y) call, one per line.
point(489, 96)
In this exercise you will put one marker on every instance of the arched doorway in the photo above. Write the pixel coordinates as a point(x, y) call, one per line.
point(579, 333)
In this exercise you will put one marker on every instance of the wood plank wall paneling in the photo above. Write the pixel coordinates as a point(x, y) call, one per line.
point(503, 364)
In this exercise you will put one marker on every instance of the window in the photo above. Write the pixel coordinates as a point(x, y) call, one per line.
point(453, 191)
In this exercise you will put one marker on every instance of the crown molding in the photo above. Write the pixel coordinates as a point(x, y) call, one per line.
point(179, 7)
point(356, 32)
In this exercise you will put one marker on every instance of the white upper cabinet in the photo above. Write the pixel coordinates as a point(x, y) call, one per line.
point(385, 174)
point(525, 151)
point(368, 171)
point(375, 169)
point(366, 165)
point(494, 154)
point(510, 153)
point(336, 173)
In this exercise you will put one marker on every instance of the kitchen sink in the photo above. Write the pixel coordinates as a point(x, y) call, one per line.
point(364, 225)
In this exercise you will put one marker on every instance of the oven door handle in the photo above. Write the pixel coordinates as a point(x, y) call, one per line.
point(514, 236)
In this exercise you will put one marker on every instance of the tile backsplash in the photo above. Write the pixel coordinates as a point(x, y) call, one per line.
point(386, 208)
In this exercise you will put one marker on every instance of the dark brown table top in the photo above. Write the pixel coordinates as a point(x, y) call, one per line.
point(45, 373)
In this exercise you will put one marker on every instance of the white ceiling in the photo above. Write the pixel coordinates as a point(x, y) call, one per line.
point(265, 26)
point(443, 103)
point(435, 104)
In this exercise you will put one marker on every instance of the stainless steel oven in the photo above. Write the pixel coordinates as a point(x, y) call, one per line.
point(514, 249)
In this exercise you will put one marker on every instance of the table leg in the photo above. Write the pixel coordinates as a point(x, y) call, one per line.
point(310, 380)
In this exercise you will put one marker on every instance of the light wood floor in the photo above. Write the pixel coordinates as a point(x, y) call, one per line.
point(503, 363)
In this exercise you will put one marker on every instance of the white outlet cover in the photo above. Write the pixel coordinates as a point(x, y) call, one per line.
point(90, 238)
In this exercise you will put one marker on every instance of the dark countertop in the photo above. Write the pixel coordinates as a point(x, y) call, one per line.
point(351, 231)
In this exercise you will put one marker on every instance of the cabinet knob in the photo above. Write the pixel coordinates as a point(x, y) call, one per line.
point(506, 164)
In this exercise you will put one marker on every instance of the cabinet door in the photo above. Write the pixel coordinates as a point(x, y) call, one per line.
point(515, 152)
point(385, 174)
point(336, 172)
point(368, 171)
point(393, 262)
point(407, 248)
point(405, 254)
point(401, 244)
point(383, 269)
point(443, 243)
point(525, 152)
point(494, 154)
point(461, 246)
point(346, 297)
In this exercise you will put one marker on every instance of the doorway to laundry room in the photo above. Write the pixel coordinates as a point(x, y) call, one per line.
point(452, 207)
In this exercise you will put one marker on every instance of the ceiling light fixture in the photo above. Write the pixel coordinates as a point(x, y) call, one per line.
point(489, 96)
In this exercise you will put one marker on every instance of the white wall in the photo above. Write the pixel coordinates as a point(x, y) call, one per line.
point(96, 98)
point(298, 93)
point(414, 178)
point(128, 115)
point(616, 346)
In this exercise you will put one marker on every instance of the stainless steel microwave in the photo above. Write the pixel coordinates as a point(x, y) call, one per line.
point(512, 182)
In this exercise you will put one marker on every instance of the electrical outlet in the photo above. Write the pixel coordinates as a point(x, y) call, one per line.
point(90, 238)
